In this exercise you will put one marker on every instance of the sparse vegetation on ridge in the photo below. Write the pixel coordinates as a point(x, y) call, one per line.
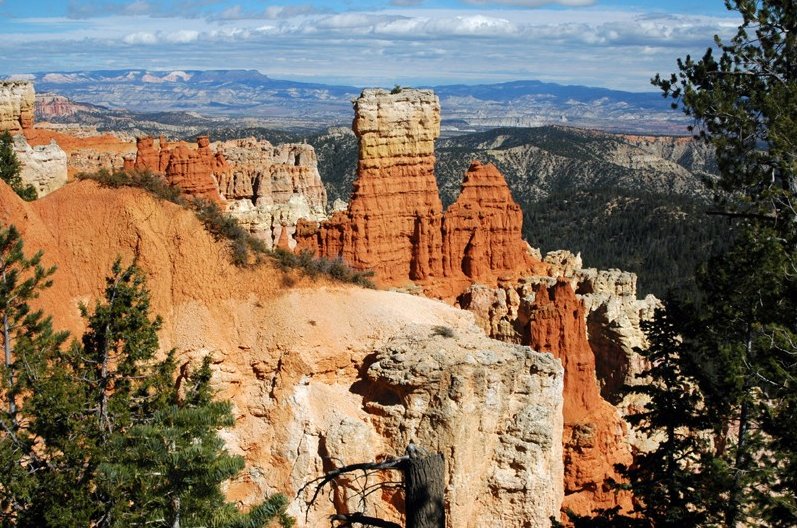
point(245, 249)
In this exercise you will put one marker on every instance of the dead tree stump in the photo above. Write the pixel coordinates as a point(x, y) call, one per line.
point(423, 483)
point(423, 477)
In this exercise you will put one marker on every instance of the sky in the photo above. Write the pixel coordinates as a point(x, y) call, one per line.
point(616, 44)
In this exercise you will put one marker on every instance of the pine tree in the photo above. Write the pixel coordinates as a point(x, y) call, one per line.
point(665, 489)
point(10, 169)
point(27, 338)
point(154, 455)
point(744, 334)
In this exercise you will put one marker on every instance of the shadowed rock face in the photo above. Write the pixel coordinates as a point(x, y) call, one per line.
point(395, 225)
point(17, 105)
point(594, 435)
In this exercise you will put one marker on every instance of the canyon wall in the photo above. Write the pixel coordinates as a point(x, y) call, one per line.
point(17, 105)
point(319, 374)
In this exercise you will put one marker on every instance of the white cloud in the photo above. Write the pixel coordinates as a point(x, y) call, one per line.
point(140, 37)
point(609, 47)
point(183, 36)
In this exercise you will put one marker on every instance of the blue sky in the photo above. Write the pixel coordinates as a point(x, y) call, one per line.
point(611, 43)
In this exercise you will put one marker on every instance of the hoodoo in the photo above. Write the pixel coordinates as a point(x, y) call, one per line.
point(194, 171)
point(395, 225)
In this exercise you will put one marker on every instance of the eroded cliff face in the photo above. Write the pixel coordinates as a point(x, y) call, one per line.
point(266, 188)
point(17, 105)
point(318, 374)
point(270, 188)
point(591, 320)
point(594, 435)
point(394, 223)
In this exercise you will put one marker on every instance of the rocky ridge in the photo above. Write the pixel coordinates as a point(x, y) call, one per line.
point(266, 188)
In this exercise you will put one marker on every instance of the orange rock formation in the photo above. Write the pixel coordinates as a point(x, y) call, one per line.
point(594, 435)
point(395, 225)
point(482, 229)
point(193, 170)
point(298, 363)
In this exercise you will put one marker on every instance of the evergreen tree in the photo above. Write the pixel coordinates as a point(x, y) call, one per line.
point(27, 338)
point(10, 169)
point(743, 336)
point(103, 435)
point(662, 480)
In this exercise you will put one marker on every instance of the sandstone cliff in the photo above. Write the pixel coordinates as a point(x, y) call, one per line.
point(318, 375)
point(598, 356)
point(17, 104)
point(42, 166)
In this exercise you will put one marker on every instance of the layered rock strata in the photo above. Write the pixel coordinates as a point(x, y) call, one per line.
point(320, 374)
point(44, 166)
point(394, 218)
point(394, 223)
point(17, 105)
point(270, 187)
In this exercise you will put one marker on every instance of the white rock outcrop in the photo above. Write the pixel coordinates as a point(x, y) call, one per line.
point(42, 166)
point(270, 187)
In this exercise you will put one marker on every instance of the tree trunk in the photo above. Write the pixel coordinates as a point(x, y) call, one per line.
point(423, 482)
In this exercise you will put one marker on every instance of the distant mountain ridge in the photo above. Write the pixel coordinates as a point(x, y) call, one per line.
point(465, 108)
